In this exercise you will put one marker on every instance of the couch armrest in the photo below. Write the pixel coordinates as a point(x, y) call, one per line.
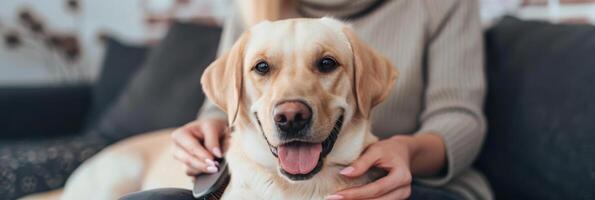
point(43, 111)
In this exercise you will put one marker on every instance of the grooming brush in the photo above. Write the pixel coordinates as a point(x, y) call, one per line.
point(212, 186)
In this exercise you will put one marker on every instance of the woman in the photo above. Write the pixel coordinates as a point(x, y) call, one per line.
point(431, 127)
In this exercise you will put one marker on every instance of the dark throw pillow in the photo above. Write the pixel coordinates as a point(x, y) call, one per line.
point(166, 92)
point(541, 111)
point(120, 62)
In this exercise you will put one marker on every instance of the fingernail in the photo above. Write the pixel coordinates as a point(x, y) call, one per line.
point(211, 169)
point(210, 162)
point(347, 171)
point(217, 152)
point(196, 164)
point(333, 197)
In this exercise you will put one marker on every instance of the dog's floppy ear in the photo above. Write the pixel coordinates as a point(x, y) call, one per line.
point(374, 75)
point(222, 80)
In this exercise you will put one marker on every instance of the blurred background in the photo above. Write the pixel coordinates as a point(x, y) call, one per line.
point(78, 75)
point(63, 41)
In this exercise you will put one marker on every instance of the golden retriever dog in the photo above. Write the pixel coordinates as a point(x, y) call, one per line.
point(298, 94)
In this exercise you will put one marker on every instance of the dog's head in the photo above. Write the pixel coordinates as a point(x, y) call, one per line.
point(301, 88)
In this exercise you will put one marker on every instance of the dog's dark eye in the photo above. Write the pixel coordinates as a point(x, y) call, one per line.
point(326, 65)
point(262, 68)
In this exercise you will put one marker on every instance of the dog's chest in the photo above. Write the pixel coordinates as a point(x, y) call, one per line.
point(256, 184)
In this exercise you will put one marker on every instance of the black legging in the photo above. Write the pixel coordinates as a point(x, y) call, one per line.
point(418, 192)
point(28, 167)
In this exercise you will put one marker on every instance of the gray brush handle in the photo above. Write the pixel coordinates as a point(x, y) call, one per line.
point(208, 183)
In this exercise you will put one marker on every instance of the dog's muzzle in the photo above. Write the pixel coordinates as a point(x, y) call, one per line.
point(300, 159)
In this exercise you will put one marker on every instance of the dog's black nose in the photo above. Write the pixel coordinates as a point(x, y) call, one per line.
point(292, 116)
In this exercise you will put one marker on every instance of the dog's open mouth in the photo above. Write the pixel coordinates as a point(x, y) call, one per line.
point(300, 160)
point(297, 158)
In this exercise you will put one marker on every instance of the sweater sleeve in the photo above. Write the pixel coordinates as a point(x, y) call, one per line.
point(232, 30)
point(455, 88)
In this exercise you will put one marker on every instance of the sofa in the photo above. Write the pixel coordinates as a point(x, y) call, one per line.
point(540, 109)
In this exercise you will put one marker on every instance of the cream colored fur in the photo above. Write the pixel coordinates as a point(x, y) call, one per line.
point(291, 46)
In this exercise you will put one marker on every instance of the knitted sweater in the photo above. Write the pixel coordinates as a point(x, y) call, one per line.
point(438, 48)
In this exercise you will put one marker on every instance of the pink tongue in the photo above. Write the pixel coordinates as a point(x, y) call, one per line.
point(299, 158)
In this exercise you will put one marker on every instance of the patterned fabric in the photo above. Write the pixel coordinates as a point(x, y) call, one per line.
point(34, 166)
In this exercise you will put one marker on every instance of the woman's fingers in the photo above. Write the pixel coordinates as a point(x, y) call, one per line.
point(212, 133)
point(187, 141)
point(195, 144)
point(362, 164)
point(370, 190)
point(193, 166)
point(191, 171)
point(189, 160)
point(398, 177)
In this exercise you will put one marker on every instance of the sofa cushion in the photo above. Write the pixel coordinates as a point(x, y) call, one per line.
point(43, 112)
point(119, 63)
point(541, 111)
point(166, 92)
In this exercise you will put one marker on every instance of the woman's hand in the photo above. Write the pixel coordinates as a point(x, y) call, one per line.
point(393, 155)
point(197, 143)
point(401, 156)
